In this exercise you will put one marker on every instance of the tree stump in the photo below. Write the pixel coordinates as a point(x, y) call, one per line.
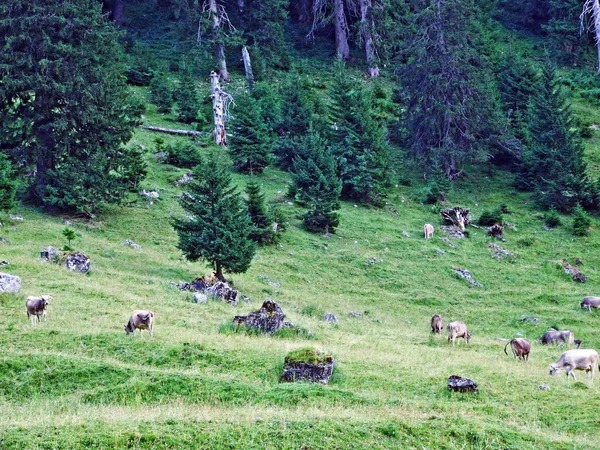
point(457, 216)
point(268, 319)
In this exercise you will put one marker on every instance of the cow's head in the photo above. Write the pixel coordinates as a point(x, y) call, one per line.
point(129, 328)
point(553, 369)
point(468, 337)
point(578, 343)
point(46, 299)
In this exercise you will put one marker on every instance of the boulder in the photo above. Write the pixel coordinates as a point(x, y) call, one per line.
point(223, 291)
point(16, 217)
point(268, 319)
point(200, 298)
point(460, 384)
point(131, 244)
point(9, 284)
point(329, 317)
point(307, 364)
point(50, 254)
point(76, 261)
point(465, 274)
point(544, 387)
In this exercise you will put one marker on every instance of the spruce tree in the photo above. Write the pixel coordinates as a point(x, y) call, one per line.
point(358, 142)
point(64, 106)
point(259, 215)
point(217, 227)
point(8, 184)
point(161, 94)
point(188, 100)
point(250, 144)
point(553, 165)
point(317, 184)
point(450, 113)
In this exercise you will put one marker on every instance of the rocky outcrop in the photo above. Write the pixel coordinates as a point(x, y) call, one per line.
point(460, 384)
point(307, 364)
point(76, 261)
point(9, 284)
point(465, 274)
point(268, 319)
point(50, 254)
point(211, 286)
point(131, 244)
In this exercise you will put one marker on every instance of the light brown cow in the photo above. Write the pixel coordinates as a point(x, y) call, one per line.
point(428, 230)
point(458, 330)
point(584, 359)
point(37, 307)
point(437, 324)
point(590, 302)
point(140, 320)
point(554, 337)
point(520, 348)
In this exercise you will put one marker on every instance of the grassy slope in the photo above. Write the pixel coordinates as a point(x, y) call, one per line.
point(79, 382)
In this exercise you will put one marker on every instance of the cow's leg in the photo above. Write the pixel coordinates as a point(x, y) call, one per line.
point(590, 308)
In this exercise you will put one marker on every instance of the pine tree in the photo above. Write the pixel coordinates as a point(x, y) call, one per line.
point(217, 229)
point(64, 105)
point(358, 142)
point(317, 184)
point(8, 184)
point(450, 113)
point(161, 94)
point(250, 145)
point(188, 100)
point(259, 215)
point(553, 165)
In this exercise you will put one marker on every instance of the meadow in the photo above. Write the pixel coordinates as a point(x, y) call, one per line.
point(78, 381)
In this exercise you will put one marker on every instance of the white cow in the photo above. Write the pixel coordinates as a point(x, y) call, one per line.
point(590, 302)
point(584, 359)
point(140, 320)
point(458, 330)
point(428, 230)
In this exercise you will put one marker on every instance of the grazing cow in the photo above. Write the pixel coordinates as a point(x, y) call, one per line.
point(577, 343)
point(590, 302)
point(437, 324)
point(520, 348)
point(584, 359)
point(37, 307)
point(141, 320)
point(458, 330)
point(428, 230)
point(554, 337)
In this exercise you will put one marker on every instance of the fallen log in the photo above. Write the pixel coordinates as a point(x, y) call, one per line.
point(173, 131)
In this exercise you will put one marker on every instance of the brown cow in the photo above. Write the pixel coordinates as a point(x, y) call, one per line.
point(458, 330)
point(520, 348)
point(590, 302)
point(140, 320)
point(37, 307)
point(584, 359)
point(554, 337)
point(437, 324)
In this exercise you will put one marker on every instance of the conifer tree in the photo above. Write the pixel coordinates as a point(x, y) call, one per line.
point(64, 106)
point(161, 94)
point(188, 100)
point(317, 184)
point(7, 184)
point(250, 145)
point(358, 142)
point(217, 228)
point(553, 165)
point(259, 215)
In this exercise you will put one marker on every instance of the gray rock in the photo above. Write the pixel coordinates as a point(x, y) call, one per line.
point(329, 317)
point(4, 263)
point(465, 274)
point(439, 251)
point(131, 244)
point(247, 299)
point(529, 319)
point(200, 298)
point(544, 387)
point(9, 284)
point(67, 223)
point(223, 291)
point(16, 217)
point(312, 366)
point(184, 179)
point(355, 314)
point(77, 262)
point(268, 319)
point(405, 234)
point(460, 384)
point(50, 254)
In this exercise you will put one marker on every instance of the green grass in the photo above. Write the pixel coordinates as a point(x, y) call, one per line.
point(79, 382)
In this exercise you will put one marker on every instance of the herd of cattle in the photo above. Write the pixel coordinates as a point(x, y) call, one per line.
point(569, 361)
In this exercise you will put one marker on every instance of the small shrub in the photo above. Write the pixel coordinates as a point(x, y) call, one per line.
point(185, 155)
point(552, 219)
point(581, 222)
point(527, 241)
point(69, 234)
point(489, 218)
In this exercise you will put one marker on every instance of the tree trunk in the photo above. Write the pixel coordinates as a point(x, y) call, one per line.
point(366, 27)
point(248, 68)
point(241, 4)
point(341, 31)
point(173, 131)
point(218, 102)
point(117, 12)
point(596, 15)
point(219, 271)
point(219, 49)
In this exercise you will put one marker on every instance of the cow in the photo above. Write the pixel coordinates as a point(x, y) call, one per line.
point(458, 330)
point(37, 307)
point(141, 320)
point(583, 359)
point(554, 337)
point(590, 302)
point(437, 324)
point(520, 348)
point(428, 230)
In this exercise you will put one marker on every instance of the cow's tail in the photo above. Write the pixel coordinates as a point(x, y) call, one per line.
point(505, 347)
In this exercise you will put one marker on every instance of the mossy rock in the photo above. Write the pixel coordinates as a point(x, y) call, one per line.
point(307, 364)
